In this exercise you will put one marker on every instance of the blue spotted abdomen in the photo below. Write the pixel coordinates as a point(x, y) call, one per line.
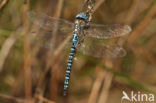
point(70, 62)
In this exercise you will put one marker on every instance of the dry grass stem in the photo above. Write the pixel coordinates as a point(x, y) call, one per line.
point(98, 4)
point(96, 86)
point(132, 12)
point(3, 3)
point(107, 82)
point(27, 56)
point(5, 50)
point(136, 32)
point(105, 89)
point(44, 99)
point(18, 100)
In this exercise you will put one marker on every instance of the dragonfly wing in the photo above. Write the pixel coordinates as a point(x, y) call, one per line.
point(44, 39)
point(49, 23)
point(107, 31)
point(101, 50)
point(44, 35)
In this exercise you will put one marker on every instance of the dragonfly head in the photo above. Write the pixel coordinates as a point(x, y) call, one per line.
point(81, 16)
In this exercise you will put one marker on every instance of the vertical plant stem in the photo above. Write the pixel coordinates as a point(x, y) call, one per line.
point(107, 83)
point(105, 89)
point(96, 86)
point(5, 50)
point(54, 71)
point(27, 57)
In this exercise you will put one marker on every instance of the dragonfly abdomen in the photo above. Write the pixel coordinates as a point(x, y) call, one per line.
point(70, 60)
point(68, 71)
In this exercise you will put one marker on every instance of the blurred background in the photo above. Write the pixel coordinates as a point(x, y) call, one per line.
point(32, 73)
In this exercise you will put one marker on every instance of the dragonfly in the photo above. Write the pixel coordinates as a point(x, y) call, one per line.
point(81, 30)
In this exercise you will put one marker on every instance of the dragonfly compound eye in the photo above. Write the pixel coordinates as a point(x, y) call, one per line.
point(81, 16)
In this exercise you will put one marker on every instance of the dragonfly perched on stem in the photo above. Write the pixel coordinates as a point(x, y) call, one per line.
point(82, 30)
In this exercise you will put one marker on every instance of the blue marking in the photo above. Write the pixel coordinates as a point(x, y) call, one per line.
point(66, 82)
point(67, 77)
point(71, 53)
point(68, 68)
point(68, 74)
point(69, 64)
point(75, 40)
point(74, 45)
point(65, 86)
point(70, 57)
point(69, 61)
point(67, 71)
point(72, 49)
point(81, 16)
point(75, 36)
point(76, 30)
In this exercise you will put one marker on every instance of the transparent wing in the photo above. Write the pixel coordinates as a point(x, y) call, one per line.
point(49, 23)
point(44, 39)
point(107, 31)
point(44, 34)
point(101, 50)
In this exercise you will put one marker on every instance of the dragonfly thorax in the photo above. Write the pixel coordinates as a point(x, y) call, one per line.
point(81, 16)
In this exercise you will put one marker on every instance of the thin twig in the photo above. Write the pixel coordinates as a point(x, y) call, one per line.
point(7, 46)
point(96, 86)
point(105, 90)
point(3, 3)
point(107, 83)
point(98, 4)
point(44, 99)
point(5, 50)
point(18, 100)
point(27, 57)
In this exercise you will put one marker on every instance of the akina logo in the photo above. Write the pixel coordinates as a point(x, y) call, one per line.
point(137, 97)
